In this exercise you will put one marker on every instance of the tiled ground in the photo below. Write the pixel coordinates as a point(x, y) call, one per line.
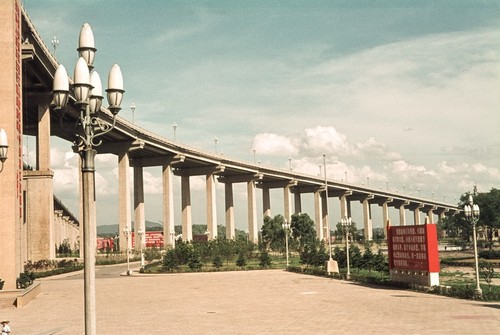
point(246, 302)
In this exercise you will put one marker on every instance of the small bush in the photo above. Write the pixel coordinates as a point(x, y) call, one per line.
point(217, 262)
point(25, 279)
point(265, 259)
point(489, 254)
point(170, 262)
point(194, 261)
point(241, 261)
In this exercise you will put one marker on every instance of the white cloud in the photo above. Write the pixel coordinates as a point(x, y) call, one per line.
point(372, 147)
point(273, 144)
point(321, 139)
point(444, 167)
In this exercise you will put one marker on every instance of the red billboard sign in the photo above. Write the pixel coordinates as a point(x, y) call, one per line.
point(413, 248)
point(153, 239)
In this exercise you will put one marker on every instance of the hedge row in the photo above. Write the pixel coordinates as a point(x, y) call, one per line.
point(489, 254)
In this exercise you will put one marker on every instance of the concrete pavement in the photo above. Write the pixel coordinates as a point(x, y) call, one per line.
point(246, 302)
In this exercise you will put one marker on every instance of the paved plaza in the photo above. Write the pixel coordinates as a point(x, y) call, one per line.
point(245, 302)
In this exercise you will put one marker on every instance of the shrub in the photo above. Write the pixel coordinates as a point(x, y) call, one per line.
point(2, 282)
point(25, 279)
point(194, 261)
point(489, 254)
point(314, 254)
point(170, 262)
point(151, 254)
point(265, 259)
point(241, 261)
point(217, 262)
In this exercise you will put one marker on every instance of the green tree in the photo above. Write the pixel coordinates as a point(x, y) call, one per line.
point(303, 231)
point(486, 271)
point(272, 232)
point(368, 258)
point(314, 253)
point(355, 257)
point(489, 217)
point(341, 230)
point(381, 263)
point(241, 261)
point(226, 248)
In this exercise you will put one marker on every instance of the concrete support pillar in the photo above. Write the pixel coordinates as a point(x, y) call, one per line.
point(43, 138)
point(168, 207)
point(211, 207)
point(442, 215)
point(187, 224)
point(318, 213)
point(39, 214)
point(287, 205)
point(266, 201)
point(416, 216)
point(228, 194)
point(367, 220)
point(344, 212)
point(58, 227)
point(297, 203)
point(124, 201)
point(65, 227)
point(430, 215)
point(252, 212)
point(402, 216)
point(139, 215)
point(324, 219)
point(385, 216)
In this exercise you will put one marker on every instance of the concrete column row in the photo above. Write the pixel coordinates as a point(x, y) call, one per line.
point(321, 215)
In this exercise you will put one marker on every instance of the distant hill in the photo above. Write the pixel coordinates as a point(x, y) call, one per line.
point(112, 229)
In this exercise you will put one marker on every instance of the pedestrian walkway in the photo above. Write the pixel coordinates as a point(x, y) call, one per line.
point(246, 302)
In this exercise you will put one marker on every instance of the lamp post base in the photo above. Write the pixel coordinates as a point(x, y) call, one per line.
point(478, 294)
point(331, 266)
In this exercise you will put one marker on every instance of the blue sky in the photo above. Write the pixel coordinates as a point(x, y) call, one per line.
point(397, 92)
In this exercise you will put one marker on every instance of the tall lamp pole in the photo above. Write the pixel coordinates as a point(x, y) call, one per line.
point(87, 90)
point(132, 108)
point(346, 223)
point(471, 211)
point(328, 216)
point(126, 232)
point(141, 233)
point(286, 228)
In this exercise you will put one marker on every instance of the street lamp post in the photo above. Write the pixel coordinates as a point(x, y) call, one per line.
point(126, 232)
point(327, 213)
point(346, 223)
point(55, 43)
point(172, 238)
point(174, 125)
point(141, 233)
point(132, 108)
point(215, 142)
point(286, 228)
point(471, 211)
point(87, 90)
